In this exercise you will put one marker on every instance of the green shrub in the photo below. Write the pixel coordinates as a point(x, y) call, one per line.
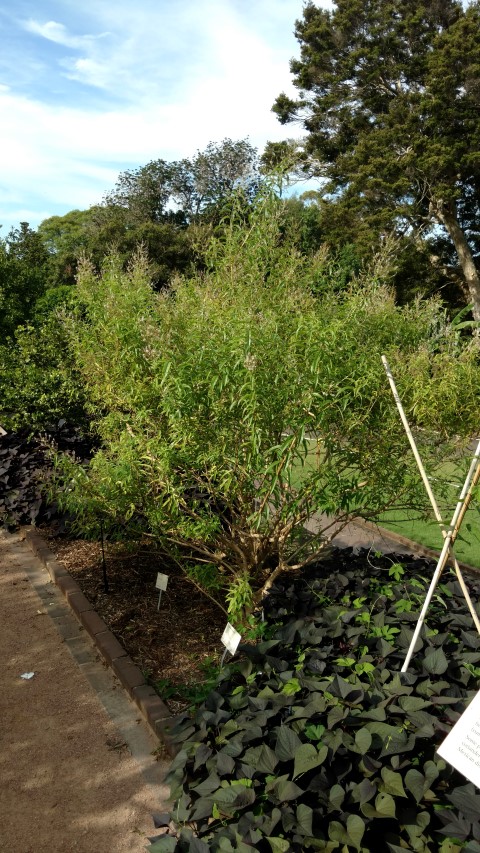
point(38, 381)
point(210, 398)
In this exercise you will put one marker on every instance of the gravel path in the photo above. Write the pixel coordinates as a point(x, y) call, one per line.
point(76, 768)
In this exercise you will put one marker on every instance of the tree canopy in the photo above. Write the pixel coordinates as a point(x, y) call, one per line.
point(182, 189)
point(389, 94)
point(23, 265)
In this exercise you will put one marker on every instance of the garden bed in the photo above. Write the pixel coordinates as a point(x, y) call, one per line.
point(177, 647)
point(314, 740)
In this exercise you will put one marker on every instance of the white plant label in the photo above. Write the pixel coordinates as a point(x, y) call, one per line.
point(461, 748)
point(162, 582)
point(231, 638)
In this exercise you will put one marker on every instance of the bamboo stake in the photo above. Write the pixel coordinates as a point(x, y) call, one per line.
point(471, 481)
point(428, 488)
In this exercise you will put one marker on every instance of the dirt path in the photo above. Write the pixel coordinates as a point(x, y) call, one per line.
point(69, 778)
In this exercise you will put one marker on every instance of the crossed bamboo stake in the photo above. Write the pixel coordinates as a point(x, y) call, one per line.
point(449, 534)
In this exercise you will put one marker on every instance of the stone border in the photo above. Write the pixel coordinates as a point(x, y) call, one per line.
point(153, 709)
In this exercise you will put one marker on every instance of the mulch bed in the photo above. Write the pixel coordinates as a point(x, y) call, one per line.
point(174, 646)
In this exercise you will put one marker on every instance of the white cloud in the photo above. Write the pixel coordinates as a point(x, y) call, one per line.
point(58, 33)
point(173, 77)
point(88, 71)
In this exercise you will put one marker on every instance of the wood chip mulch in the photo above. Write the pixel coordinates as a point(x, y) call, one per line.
point(176, 646)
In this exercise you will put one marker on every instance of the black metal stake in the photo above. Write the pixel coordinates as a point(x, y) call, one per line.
point(104, 564)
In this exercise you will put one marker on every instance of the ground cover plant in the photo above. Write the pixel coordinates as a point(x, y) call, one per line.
point(26, 464)
point(313, 740)
point(205, 397)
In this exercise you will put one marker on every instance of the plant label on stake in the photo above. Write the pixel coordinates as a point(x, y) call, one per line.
point(461, 747)
point(161, 584)
point(230, 639)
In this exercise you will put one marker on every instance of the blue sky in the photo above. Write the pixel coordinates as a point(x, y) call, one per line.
point(90, 89)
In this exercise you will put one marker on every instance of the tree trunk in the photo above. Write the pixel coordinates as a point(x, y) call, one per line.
point(447, 216)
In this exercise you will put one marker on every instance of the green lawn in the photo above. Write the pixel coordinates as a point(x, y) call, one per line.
point(467, 546)
point(427, 532)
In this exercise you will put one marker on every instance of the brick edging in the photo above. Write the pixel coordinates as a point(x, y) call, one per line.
point(153, 709)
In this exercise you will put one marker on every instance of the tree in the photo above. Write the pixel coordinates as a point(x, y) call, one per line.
point(144, 192)
point(96, 231)
point(179, 191)
point(23, 277)
point(38, 381)
point(65, 239)
point(234, 407)
point(204, 183)
point(389, 94)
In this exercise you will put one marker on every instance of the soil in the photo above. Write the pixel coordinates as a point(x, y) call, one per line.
point(177, 646)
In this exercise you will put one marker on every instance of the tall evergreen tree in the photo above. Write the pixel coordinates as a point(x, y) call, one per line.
point(389, 94)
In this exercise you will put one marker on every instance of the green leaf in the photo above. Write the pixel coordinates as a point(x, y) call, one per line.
point(165, 844)
point(287, 743)
point(336, 797)
point(355, 829)
point(234, 797)
point(363, 740)
point(384, 807)
point(224, 846)
point(392, 783)
point(278, 845)
point(413, 703)
point(304, 816)
point(225, 764)
point(415, 783)
point(466, 801)
point(285, 790)
point(363, 792)
point(306, 758)
point(337, 832)
point(262, 758)
point(202, 808)
point(314, 732)
point(291, 687)
point(435, 662)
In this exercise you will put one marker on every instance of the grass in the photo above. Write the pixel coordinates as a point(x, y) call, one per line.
point(428, 533)
point(446, 485)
